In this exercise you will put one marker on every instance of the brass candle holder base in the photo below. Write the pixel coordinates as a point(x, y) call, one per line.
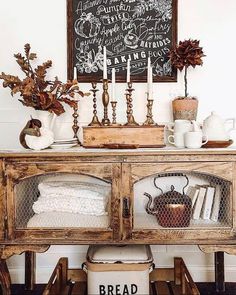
point(149, 121)
point(129, 101)
point(105, 101)
point(95, 121)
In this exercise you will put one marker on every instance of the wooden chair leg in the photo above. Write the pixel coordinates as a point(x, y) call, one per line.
point(219, 272)
point(177, 270)
point(30, 261)
point(5, 278)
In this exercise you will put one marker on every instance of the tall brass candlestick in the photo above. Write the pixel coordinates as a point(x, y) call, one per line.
point(95, 121)
point(75, 126)
point(130, 117)
point(149, 121)
point(105, 101)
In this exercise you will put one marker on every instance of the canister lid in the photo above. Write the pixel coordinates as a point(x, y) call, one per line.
point(120, 254)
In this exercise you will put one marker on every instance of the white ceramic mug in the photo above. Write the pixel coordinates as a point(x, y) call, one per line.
point(194, 139)
point(177, 139)
point(180, 126)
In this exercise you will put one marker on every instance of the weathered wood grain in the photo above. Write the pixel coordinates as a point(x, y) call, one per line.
point(79, 288)
point(30, 270)
point(127, 193)
point(17, 171)
point(161, 287)
point(58, 282)
point(121, 169)
point(2, 200)
point(5, 279)
point(230, 249)
point(142, 136)
point(116, 216)
point(184, 236)
point(80, 153)
point(219, 169)
point(64, 236)
point(7, 251)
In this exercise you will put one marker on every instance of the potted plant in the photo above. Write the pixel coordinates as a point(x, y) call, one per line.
point(186, 54)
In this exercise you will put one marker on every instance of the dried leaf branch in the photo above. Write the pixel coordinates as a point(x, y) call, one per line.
point(38, 92)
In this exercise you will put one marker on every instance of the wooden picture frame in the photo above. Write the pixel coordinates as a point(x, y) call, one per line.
point(133, 29)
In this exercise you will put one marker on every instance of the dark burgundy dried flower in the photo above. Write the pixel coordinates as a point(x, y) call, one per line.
point(187, 53)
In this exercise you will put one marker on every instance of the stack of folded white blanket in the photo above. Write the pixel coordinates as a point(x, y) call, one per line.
point(72, 197)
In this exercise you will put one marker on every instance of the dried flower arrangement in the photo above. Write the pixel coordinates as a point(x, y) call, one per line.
point(187, 53)
point(38, 92)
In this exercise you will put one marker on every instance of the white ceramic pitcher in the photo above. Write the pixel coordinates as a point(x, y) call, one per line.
point(180, 126)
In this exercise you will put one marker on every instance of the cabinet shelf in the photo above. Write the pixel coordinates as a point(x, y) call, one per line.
point(144, 221)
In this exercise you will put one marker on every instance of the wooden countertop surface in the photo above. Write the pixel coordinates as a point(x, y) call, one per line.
point(80, 151)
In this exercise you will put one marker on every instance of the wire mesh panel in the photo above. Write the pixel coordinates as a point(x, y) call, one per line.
point(191, 199)
point(62, 200)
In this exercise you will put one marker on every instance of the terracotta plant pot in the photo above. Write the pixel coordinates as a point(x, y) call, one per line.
point(185, 108)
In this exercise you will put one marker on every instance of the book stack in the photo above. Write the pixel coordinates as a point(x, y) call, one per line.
point(206, 201)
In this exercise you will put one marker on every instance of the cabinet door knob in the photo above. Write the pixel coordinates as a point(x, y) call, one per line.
point(126, 207)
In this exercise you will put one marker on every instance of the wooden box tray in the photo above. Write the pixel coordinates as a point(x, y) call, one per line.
point(163, 281)
point(133, 136)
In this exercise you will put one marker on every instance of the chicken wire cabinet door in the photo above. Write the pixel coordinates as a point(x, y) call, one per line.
point(179, 202)
point(67, 202)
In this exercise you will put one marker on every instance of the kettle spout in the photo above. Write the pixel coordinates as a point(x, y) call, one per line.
point(148, 208)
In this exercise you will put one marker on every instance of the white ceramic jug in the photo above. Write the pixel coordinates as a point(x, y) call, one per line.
point(214, 128)
point(181, 126)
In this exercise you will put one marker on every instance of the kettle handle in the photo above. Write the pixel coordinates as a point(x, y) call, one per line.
point(170, 175)
point(233, 120)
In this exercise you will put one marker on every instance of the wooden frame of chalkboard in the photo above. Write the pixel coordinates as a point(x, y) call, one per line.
point(132, 29)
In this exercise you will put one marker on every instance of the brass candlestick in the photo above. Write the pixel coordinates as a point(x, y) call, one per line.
point(105, 101)
point(113, 105)
point(149, 121)
point(95, 121)
point(130, 117)
point(75, 126)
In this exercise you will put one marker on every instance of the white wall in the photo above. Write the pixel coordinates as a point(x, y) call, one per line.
point(43, 25)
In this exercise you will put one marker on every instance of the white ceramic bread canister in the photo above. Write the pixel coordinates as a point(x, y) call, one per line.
point(118, 269)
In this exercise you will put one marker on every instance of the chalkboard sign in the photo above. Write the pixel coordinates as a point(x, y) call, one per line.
point(132, 29)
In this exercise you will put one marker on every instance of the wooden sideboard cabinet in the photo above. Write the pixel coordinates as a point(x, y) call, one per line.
point(127, 175)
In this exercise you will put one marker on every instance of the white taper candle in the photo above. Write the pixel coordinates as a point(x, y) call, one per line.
point(148, 72)
point(75, 74)
point(104, 63)
point(128, 71)
point(150, 88)
point(113, 83)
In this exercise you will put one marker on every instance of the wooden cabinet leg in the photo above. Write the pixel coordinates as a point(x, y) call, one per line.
point(219, 272)
point(30, 259)
point(5, 278)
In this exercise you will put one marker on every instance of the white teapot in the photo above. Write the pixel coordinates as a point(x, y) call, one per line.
point(214, 128)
